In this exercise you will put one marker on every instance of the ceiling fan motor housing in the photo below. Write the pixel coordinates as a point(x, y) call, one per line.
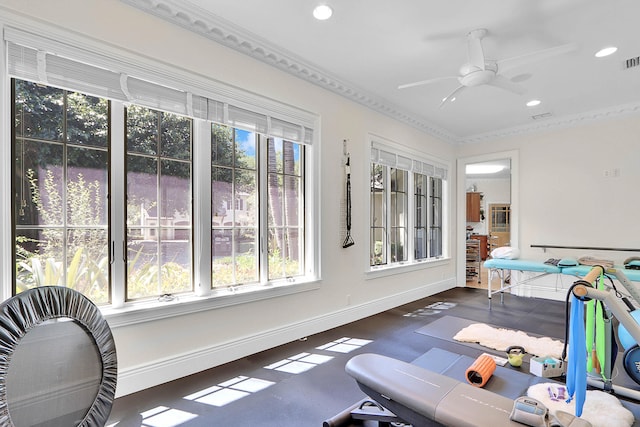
point(470, 75)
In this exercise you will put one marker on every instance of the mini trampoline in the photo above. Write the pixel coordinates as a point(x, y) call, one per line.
point(58, 364)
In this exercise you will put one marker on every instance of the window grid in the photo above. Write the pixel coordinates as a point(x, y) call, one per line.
point(159, 203)
point(285, 166)
point(235, 254)
point(61, 183)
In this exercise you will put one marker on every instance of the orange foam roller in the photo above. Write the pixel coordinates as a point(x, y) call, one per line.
point(480, 370)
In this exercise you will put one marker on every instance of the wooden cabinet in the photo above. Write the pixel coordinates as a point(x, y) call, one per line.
point(473, 207)
point(482, 238)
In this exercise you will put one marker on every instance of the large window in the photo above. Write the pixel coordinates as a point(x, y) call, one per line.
point(64, 234)
point(406, 195)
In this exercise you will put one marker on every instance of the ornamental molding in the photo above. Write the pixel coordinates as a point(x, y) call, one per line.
point(215, 28)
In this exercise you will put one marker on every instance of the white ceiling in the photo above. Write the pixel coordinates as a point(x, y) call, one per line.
point(369, 47)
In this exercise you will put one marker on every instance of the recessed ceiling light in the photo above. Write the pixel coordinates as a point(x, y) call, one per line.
point(533, 103)
point(322, 12)
point(606, 51)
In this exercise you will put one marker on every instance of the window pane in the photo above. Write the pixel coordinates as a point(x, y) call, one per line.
point(87, 120)
point(176, 137)
point(175, 186)
point(40, 256)
point(285, 205)
point(435, 227)
point(275, 155)
point(142, 191)
point(222, 145)
point(246, 248)
point(39, 183)
point(378, 246)
point(245, 203)
point(234, 190)
point(142, 130)
point(39, 111)
point(61, 183)
point(221, 196)
point(276, 217)
point(421, 209)
point(159, 259)
point(292, 200)
point(397, 242)
point(87, 183)
point(378, 220)
point(245, 149)
point(221, 257)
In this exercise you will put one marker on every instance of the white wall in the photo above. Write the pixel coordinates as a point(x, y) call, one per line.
point(158, 351)
point(565, 197)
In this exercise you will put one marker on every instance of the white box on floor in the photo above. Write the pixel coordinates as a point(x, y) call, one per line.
point(546, 367)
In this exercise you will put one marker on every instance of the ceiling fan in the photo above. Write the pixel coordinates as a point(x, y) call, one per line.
point(481, 71)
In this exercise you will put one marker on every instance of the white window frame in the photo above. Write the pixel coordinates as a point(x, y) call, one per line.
point(278, 119)
point(393, 155)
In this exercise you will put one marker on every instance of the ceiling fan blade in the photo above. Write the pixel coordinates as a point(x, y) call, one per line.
point(539, 55)
point(425, 82)
point(452, 95)
point(504, 83)
point(475, 54)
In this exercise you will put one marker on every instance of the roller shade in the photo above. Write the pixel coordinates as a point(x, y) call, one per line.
point(41, 60)
point(385, 155)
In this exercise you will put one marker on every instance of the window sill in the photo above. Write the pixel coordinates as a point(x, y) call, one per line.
point(398, 268)
point(148, 311)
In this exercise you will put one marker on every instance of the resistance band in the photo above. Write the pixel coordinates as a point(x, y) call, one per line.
point(601, 345)
point(348, 240)
point(577, 365)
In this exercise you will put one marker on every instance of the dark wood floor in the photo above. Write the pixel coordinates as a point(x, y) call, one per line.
point(268, 392)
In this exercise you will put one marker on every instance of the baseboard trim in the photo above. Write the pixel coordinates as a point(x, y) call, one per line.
point(156, 372)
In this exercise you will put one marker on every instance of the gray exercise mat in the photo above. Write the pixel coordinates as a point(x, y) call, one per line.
point(505, 381)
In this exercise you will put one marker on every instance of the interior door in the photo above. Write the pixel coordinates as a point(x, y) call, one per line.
point(499, 225)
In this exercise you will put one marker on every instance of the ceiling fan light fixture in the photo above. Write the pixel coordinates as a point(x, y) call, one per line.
point(606, 51)
point(533, 103)
point(322, 12)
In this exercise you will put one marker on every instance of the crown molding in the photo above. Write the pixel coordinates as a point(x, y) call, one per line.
point(193, 18)
point(558, 123)
point(204, 23)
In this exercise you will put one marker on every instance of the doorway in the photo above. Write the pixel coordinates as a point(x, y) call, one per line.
point(499, 206)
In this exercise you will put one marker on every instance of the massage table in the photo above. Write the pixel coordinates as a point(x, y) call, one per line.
point(501, 267)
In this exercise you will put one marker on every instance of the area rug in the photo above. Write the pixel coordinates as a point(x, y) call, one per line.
point(500, 339)
point(600, 409)
point(447, 327)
